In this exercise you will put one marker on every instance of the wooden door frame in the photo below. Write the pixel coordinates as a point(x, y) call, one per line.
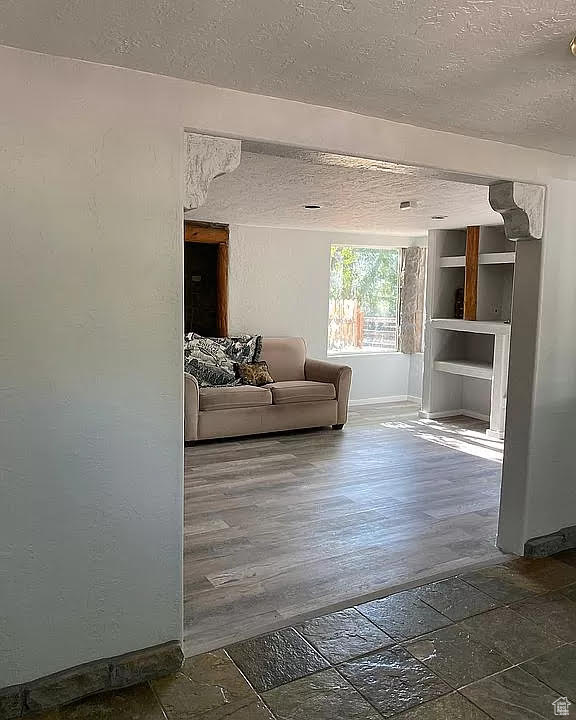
point(197, 232)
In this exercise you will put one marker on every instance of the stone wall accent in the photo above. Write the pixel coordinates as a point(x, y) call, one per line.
point(522, 207)
point(412, 299)
point(76, 683)
point(11, 702)
point(564, 539)
point(207, 158)
point(145, 665)
point(65, 687)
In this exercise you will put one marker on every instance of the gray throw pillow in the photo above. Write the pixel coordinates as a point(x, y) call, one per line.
point(208, 362)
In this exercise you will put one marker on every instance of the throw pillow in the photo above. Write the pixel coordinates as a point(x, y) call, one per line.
point(255, 373)
point(242, 349)
point(208, 362)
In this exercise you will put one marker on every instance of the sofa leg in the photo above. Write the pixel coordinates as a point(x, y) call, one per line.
point(338, 427)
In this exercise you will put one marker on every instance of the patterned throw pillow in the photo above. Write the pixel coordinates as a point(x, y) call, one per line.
point(242, 349)
point(211, 360)
point(255, 373)
point(208, 362)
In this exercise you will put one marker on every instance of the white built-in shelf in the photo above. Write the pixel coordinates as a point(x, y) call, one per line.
point(497, 258)
point(485, 327)
point(482, 370)
point(466, 361)
point(493, 258)
point(453, 261)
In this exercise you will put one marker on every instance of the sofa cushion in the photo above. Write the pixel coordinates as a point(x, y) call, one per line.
point(293, 391)
point(285, 357)
point(241, 396)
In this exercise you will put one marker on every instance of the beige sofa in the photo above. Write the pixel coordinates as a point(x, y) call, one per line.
point(306, 393)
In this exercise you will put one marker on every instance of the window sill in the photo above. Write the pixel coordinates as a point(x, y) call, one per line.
point(352, 354)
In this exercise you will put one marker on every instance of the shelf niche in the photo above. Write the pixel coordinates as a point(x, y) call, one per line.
point(493, 258)
point(495, 273)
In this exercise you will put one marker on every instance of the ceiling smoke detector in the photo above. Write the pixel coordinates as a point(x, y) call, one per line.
point(408, 204)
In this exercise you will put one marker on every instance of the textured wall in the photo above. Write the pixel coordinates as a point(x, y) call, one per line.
point(500, 70)
point(91, 368)
point(551, 497)
point(279, 283)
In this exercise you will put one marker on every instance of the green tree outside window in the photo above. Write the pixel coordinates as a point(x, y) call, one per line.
point(364, 290)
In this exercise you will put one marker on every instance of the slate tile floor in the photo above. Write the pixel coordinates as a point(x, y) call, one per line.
point(498, 644)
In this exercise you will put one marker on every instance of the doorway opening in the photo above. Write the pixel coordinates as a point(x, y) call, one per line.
point(280, 527)
point(206, 279)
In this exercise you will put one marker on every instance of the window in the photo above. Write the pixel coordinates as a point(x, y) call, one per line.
point(364, 299)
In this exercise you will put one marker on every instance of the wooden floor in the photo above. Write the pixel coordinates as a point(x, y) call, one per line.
point(278, 528)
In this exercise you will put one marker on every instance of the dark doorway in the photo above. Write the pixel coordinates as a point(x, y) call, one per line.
point(200, 291)
point(206, 279)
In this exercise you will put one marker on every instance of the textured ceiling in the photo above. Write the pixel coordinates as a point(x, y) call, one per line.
point(271, 191)
point(489, 68)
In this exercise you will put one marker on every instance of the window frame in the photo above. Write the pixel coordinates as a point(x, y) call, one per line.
point(367, 353)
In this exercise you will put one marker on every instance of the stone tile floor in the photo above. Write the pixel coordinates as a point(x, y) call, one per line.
point(498, 643)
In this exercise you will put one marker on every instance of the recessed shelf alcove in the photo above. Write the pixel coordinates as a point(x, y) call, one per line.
point(466, 361)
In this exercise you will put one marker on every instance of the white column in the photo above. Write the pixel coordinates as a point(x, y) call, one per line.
point(499, 387)
point(539, 471)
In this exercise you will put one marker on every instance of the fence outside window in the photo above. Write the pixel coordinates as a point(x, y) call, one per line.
point(350, 329)
point(364, 299)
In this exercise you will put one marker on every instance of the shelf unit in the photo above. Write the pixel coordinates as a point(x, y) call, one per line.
point(466, 361)
point(483, 327)
point(492, 258)
point(466, 368)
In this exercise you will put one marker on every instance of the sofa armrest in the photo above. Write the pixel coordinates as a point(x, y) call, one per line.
point(191, 406)
point(339, 375)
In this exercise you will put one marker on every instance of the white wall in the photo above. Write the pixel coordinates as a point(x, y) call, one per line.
point(378, 377)
point(90, 360)
point(279, 285)
point(539, 472)
point(90, 346)
point(551, 495)
point(415, 377)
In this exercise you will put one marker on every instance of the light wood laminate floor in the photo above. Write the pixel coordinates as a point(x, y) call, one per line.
point(279, 528)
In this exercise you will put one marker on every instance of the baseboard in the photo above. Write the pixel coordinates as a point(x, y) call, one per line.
point(384, 400)
point(67, 686)
point(564, 539)
point(454, 413)
point(476, 415)
point(414, 399)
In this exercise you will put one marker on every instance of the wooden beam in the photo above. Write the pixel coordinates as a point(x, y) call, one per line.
point(471, 275)
point(222, 282)
point(193, 232)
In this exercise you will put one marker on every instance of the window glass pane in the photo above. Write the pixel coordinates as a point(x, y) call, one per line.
point(363, 299)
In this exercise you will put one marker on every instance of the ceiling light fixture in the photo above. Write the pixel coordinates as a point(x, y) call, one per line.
point(573, 45)
point(312, 207)
point(408, 204)
point(439, 217)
